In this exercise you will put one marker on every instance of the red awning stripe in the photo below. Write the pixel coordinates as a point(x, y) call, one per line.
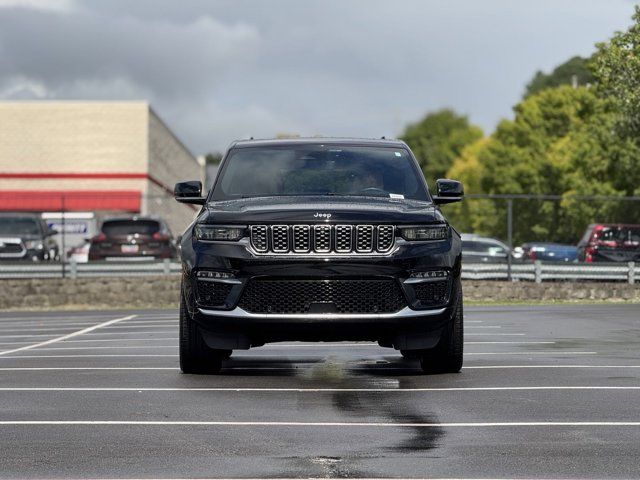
point(38, 201)
point(59, 175)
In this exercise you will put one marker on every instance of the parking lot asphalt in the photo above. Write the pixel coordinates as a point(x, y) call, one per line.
point(546, 391)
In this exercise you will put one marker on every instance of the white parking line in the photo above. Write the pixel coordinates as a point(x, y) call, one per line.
point(294, 346)
point(509, 343)
point(111, 347)
point(57, 326)
point(70, 335)
point(95, 355)
point(546, 353)
point(29, 336)
point(175, 369)
point(99, 340)
point(307, 390)
point(94, 334)
point(186, 423)
point(149, 325)
point(485, 326)
point(467, 334)
point(35, 369)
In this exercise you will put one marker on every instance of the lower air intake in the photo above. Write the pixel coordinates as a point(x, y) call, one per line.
point(308, 296)
point(432, 294)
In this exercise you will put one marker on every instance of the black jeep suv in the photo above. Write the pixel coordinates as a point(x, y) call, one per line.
point(320, 240)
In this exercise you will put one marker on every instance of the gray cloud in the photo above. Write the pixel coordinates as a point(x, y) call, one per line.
point(219, 70)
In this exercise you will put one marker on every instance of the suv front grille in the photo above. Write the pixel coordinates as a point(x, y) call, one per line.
point(322, 296)
point(305, 239)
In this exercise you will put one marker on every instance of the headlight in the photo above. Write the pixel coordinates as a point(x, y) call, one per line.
point(438, 232)
point(216, 233)
point(33, 245)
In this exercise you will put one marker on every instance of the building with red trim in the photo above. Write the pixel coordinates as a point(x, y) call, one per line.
point(104, 157)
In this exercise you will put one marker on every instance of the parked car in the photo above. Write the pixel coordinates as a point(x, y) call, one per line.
point(548, 252)
point(132, 238)
point(335, 239)
point(25, 236)
point(478, 249)
point(607, 242)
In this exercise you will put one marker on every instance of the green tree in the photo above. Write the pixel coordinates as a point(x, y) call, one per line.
point(438, 139)
point(471, 216)
point(564, 74)
point(561, 142)
point(617, 69)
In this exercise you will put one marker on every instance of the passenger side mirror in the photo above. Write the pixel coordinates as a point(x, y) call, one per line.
point(52, 232)
point(448, 191)
point(189, 192)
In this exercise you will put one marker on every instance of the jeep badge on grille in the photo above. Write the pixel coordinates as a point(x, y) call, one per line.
point(322, 215)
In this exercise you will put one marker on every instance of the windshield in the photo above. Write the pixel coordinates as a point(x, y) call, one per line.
point(19, 226)
point(130, 227)
point(320, 170)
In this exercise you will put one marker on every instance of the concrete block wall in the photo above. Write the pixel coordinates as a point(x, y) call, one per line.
point(164, 291)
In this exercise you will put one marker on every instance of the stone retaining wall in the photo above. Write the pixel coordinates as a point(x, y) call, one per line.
point(163, 291)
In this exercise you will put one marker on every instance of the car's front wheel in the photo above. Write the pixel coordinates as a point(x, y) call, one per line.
point(195, 355)
point(446, 356)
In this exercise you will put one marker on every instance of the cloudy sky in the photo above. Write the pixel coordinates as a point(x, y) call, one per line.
point(217, 70)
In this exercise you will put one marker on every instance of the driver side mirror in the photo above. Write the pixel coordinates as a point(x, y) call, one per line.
point(448, 191)
point(189, 192)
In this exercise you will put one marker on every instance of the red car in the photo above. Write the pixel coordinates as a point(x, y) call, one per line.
point(605, 242)
point(134, 238)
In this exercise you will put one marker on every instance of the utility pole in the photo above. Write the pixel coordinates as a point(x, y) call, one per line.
point(509, 235)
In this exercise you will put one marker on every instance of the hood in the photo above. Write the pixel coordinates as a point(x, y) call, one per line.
point(321, 209)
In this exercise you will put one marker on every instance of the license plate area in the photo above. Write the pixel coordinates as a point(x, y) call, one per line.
point(129, 248)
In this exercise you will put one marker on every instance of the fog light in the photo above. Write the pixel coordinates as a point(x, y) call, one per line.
point(214, 274)
point(431, 274)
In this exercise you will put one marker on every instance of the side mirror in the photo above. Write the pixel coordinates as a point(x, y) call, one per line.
point(52, 232)
point(448, 191)
point(189, 192)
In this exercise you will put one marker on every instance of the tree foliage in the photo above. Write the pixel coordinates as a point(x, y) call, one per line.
point(438, 139)
point(617, 69)
point(563, 74)
point(562, 141)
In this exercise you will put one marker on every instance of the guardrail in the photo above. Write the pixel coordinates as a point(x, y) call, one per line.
point(533, 272)
point(88, 270)
point(539, 271)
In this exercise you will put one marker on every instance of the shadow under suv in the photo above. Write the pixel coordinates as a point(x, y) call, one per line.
point(320, 240)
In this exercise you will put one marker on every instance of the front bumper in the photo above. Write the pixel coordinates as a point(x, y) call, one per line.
point(240, 314)
point(228, 326)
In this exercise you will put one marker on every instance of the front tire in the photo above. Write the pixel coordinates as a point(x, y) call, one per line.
point(446, 356)
point(195, 356)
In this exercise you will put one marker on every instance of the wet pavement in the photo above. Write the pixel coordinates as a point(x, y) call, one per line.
point(546, 391)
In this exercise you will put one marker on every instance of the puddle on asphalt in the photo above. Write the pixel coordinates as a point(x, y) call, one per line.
point(368, 406)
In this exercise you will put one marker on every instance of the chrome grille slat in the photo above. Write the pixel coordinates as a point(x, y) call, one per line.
point(280, 238)
point(364, 238)
point(343, 238)
point(301, 238)
point(259, 239)
point(322, 239)
point(385, 238)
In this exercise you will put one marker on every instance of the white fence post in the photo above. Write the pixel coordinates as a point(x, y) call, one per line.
point(538, 270)
point(632, 273)
point(73, 272)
